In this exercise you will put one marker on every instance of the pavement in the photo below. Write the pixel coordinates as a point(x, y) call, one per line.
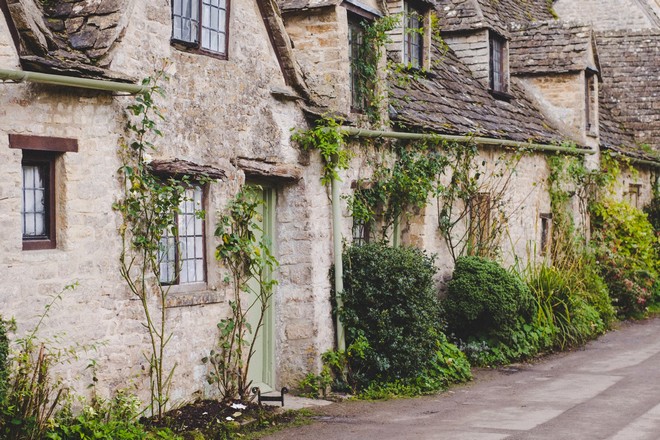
point(609, 389)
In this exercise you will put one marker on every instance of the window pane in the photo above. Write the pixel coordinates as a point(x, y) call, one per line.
point(206, 38)
point(184, 20)
point(34, 208)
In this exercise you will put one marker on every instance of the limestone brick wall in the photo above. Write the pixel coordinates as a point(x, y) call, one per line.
point(8, 56)
point(320, 41)
point(525, 200)
point(473, 50)
point(561, 99)
point(611, 14)
point(216, 110)
point(635, 185)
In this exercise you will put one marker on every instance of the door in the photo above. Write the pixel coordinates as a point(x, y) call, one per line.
point(262, 365)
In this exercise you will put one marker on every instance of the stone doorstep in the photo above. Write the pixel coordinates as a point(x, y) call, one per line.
point(295, 402)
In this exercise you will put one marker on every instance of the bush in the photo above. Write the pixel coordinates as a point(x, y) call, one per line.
point(565, 303)
point(449, 365)
point(390, 300)
point(627, 249)
point(4, 360)
point(524, 341)
point(484, 300)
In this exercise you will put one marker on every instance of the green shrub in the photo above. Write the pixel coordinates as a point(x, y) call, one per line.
point(390, 300)
point(4, 359)
point(484, 300)
point(524, 341)
point(627, 249)
point(564, 304)
point(652, 211)
point(449, 365)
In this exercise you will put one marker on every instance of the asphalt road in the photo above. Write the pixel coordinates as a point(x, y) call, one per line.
point(609, 389)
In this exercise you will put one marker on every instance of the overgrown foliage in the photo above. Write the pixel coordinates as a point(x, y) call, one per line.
point(392, 319)
point(114, 419)
point(246, 252)
point(627, 251)
point(366, 64)
point(327, 138)
point(32, 393)
point(393, 190)
point(572, 301)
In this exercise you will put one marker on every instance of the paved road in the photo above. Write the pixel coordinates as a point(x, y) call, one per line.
point(608, 390)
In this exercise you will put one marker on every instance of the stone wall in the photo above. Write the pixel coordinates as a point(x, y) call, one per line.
point(473, 51)
point(320, 42)
point(561, 99)
point(611, 14)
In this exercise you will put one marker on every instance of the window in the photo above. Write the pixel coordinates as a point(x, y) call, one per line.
point(413, 37)
point(546, 233)
point(634, 191)
point(201, 24)
point(361, 232)
point(38, 200)
point(38, 208)
point(498, 64)
point(181, 250)
point(479, 226)
point(589, 102)
point(356, 57)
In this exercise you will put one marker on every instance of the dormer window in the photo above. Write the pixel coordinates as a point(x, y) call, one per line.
point(413, 37)
point(499, 78)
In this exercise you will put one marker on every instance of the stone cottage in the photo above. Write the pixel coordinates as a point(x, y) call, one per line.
point(229, 106)
point(504, 76)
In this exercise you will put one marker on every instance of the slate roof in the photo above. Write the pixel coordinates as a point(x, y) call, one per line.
point(462, 15)
point(630, 94)
point(73, 37)
point(551, 47)
point(449, 100)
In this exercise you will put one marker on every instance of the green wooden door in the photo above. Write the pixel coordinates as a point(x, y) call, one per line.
point(262, 365)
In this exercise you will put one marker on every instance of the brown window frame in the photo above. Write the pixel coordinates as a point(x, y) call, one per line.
point(196, 46)
point(497, 61)
point(546, 233)
point(413, 40)
point(359, 102)
point(43, 151)
point(589, 94)
point(46, 162)
point(176, 236)
point(634, 194)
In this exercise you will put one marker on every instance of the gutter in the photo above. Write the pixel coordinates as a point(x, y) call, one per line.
point(359, 132)
point(651, 163)
point(71, 81)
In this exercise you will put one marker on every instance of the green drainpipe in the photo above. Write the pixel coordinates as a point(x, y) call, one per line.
point(70, 81)
point(339, 268)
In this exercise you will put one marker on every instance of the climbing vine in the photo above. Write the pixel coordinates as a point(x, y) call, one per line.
point(328, 139)
point(365, 66)
point(148, 207)
point(409, 183)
